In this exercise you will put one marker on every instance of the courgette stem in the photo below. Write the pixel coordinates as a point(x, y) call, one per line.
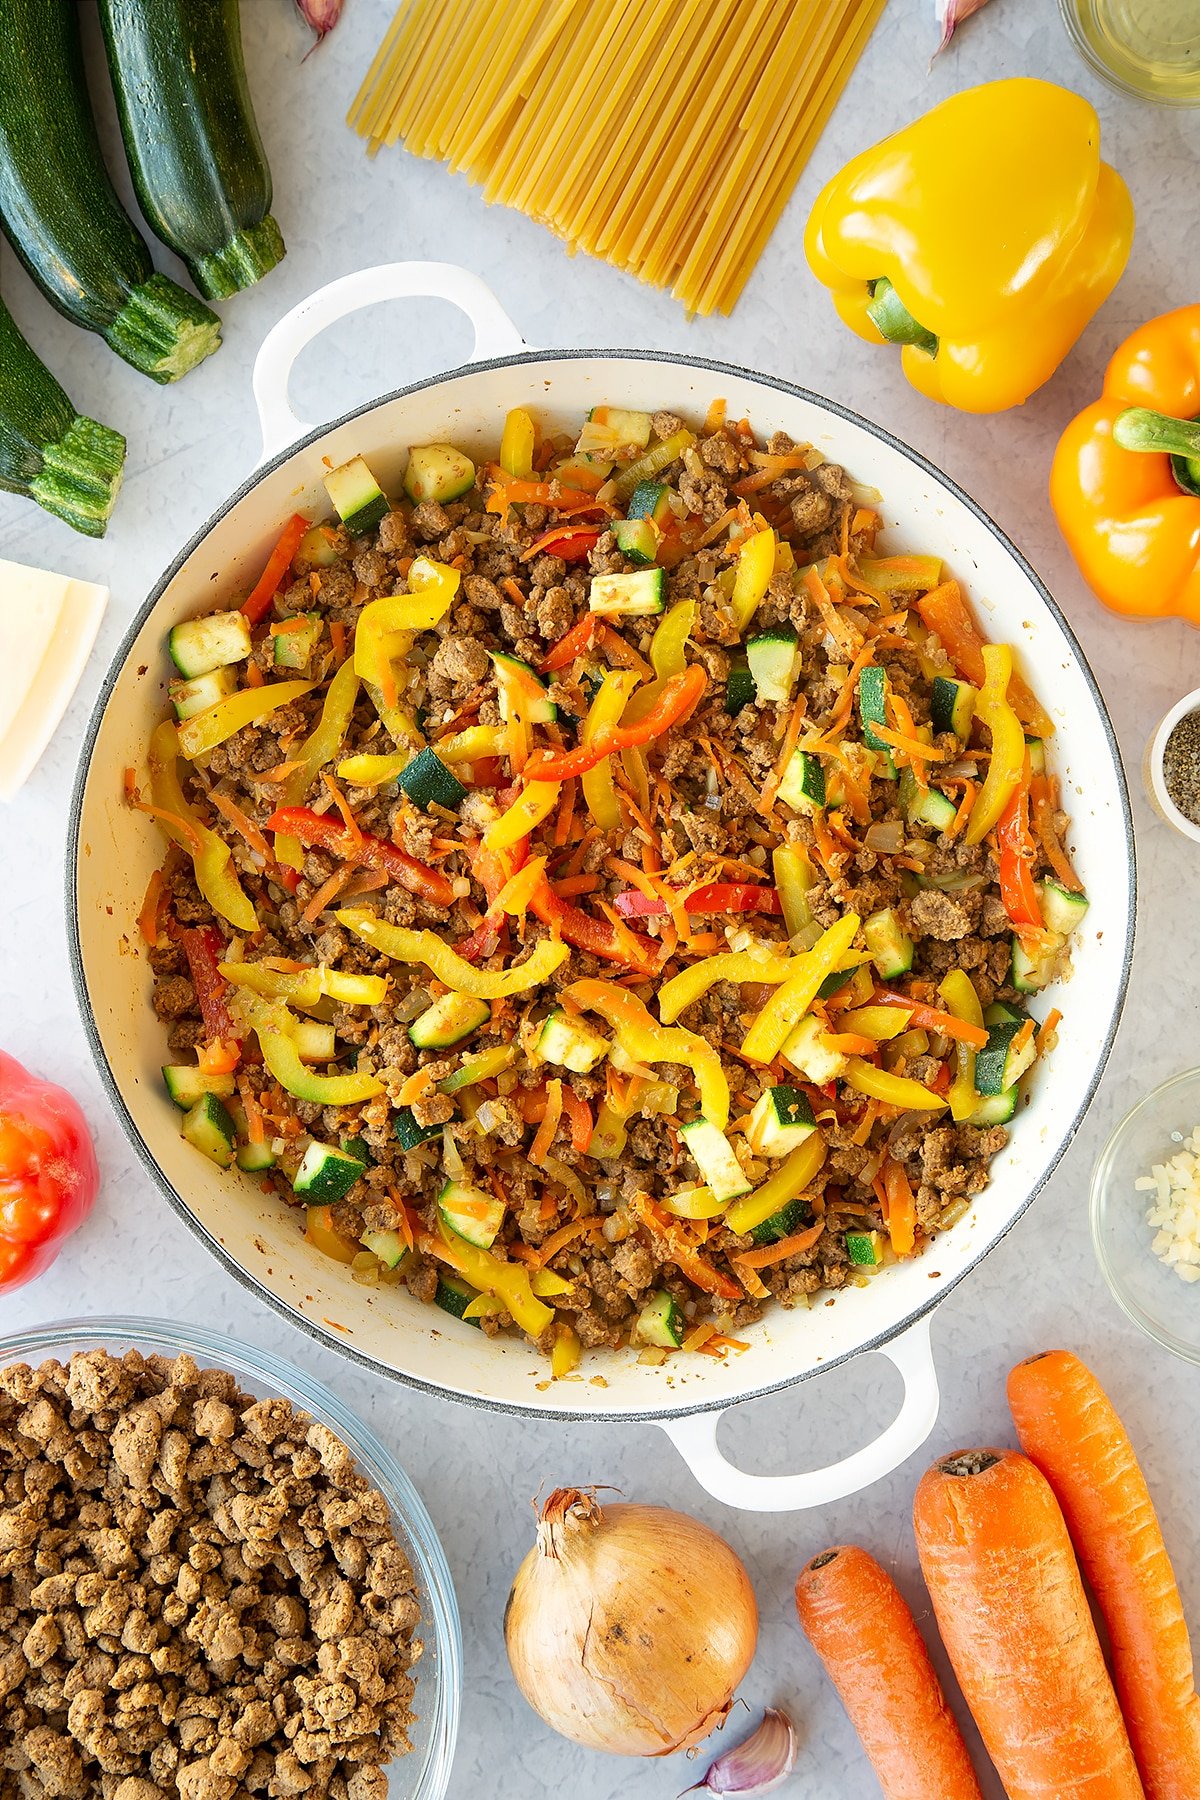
point(246, 258)
point(81, 476)
point(163, 331)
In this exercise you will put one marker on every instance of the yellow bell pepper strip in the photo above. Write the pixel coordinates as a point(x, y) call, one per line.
point(1125, 482)
point(794, 876)
point(536, 803)
point(694, 1203)
point(982, 238)
point(509, 1281)
point(485, 1306)
point(549, 1286)
point(432, 586)
point(893, 1090)
point(304, 987)
point(958, 991)
point(405, 945)
point(787, 1183)
point(320, 1233)
point(1007, 762)
point(641, 1036)
point(901, 574)
point(565, 1352)
point(471, 745)
point(517, 444)
point(676, 995)
point(602, 715)
point(880, 1023)
point(372, 771)
point(669, 642)
point(789, 1003)
point(274, 1026)
point(212, 859)
point(205, 730)
point(752, 572)
point(678, 700)
point(479, 1068)
point(317, 751)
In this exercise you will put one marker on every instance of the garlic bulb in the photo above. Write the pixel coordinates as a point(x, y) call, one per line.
point(629, 1627)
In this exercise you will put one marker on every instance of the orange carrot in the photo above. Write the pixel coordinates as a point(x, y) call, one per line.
point(782, 1248)
point(148, 916)
point(549, 1125)
point(901, 1208)
point(1070, 1429)
point(1014, 1618)
point(861, 1628)
point(580, 1115)
point(259, 599)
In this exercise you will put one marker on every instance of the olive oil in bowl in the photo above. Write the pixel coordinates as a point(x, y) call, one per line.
point(1150, 48)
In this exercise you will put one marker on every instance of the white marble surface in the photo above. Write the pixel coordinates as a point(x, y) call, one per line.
point(189, 445)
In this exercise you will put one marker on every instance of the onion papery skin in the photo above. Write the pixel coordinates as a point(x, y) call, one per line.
point(629, 1627)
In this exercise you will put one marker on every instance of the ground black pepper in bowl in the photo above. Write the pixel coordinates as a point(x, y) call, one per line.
point(1181, 766)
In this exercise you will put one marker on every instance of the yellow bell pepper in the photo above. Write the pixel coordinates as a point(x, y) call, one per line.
point(958, 992)
point(676, 995)
point(372, 771)
point(669, 642)
point(878, 1022)
point(320, 1233)
point(794, 875)
point(752, 572)
point(319, 748)
point(789, 1003)
point(605, 711)
point(212, 859)
point(431, 588)
point(509, 1281)
point(641, 1036)
point(893, 1090)
point(530, 807)
point(274, 1026)
point(442, 960)
point(485, 1306)
point(789, 1180)
point(1006, 765)
point(304, 987)
point(470, 745)
point(982, 238)
point(549, 1286)
point(565, 1352)
point(479, 1067)
point(205, 730)
point(517, 444)
point(695, 1203)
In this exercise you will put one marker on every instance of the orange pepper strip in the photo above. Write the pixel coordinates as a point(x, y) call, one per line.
point(945, 611)
point(680, 696)
point(901, 1208)
point(259, 599)
point(928, 1018)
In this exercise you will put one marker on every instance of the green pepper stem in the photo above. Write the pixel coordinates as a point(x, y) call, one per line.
point(894, 321)
point(1140, 429)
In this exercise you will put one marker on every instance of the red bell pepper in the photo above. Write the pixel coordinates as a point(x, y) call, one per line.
point(1018, 890)
point(577, 642)
point(929, 1018)
point(587, 932)
point(258, 600)
point(315, 831)
point(678, 700)
point(491, 870)
point(715, 897)
point(204, 948)
point(48, 1174)
point(572, 544)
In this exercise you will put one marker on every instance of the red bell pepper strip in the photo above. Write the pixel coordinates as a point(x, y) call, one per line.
point(330, 834)
point(204, 948)
point(928, 1018)
point(491, 870)
point(259, 599)
point(572, 545)
point(577, 642)
point(48, 1174)
point(1018, 890)
point(678, 699)
point(587, 932)
point(715, 897)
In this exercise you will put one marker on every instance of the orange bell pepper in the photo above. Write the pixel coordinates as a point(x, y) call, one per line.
point(1125, 483)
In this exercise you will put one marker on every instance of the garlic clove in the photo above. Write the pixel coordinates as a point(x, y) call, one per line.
point(757, 1765)
point(950, 15)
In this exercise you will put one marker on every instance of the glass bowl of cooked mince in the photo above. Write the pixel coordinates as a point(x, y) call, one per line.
point(267, 1564)
point(1145, 1213)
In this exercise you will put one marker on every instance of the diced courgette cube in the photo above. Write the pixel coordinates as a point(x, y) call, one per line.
point(209, 1127)
point(200, 645)
point(358, 497)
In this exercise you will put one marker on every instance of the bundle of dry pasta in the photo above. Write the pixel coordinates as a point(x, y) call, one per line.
point(663, 135)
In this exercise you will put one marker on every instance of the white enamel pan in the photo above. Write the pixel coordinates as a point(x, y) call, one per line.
point(113, 851)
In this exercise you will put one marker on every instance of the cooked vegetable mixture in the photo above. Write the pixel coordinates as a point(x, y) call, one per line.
point(602, 892)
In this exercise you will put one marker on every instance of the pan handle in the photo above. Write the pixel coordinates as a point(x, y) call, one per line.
point(495, 333)
point(695, 1437)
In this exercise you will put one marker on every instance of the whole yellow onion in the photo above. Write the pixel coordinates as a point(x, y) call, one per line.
point(629, 1627)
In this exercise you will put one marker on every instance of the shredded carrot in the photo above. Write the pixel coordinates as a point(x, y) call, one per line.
point(857, 797)
point(513, 590)
point(549, 1125)
point(574, 885)
point(901, 1207)
point(273, 776)
point(843, 706)
point(418, 1083)
point(714, 418)
point(791, 737)
point(253, 1111)
point(1044, 800)
point(751, 1281)
point(911, 747)
point(364, 881)
point(548, 1209)
point(1052, 1022)
point(839, 629)
point(564, 1236)
point(565, 817)
point(782, 1248)
point(241, 823)
point(148, 916)
point(254, 675)
point(574, 863)
point(716, 529)
point(849, 1043)
point(337, 637)
point(624, 654)
point(718, 1344)
point(699, 1335)
point(959, 821)
point(1023, 1036)
point(863, 1129)
point(343, 805)
point(580, 1115)
point(327, 893)
point(181, 824)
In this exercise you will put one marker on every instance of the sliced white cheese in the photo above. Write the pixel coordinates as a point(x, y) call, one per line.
point(48, 625)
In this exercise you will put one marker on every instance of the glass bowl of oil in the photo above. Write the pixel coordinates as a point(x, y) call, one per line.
point(1148, 48)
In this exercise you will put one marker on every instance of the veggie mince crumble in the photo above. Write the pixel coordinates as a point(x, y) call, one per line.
point(602, 892)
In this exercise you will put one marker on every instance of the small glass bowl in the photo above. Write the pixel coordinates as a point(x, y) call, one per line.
point(1152, 768)
point(424, 1774)
point(1166, 1307)
point(1151, 51)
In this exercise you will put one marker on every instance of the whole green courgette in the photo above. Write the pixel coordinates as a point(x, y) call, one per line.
point(48, 451)
point(61, 210)
point(194, 151)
